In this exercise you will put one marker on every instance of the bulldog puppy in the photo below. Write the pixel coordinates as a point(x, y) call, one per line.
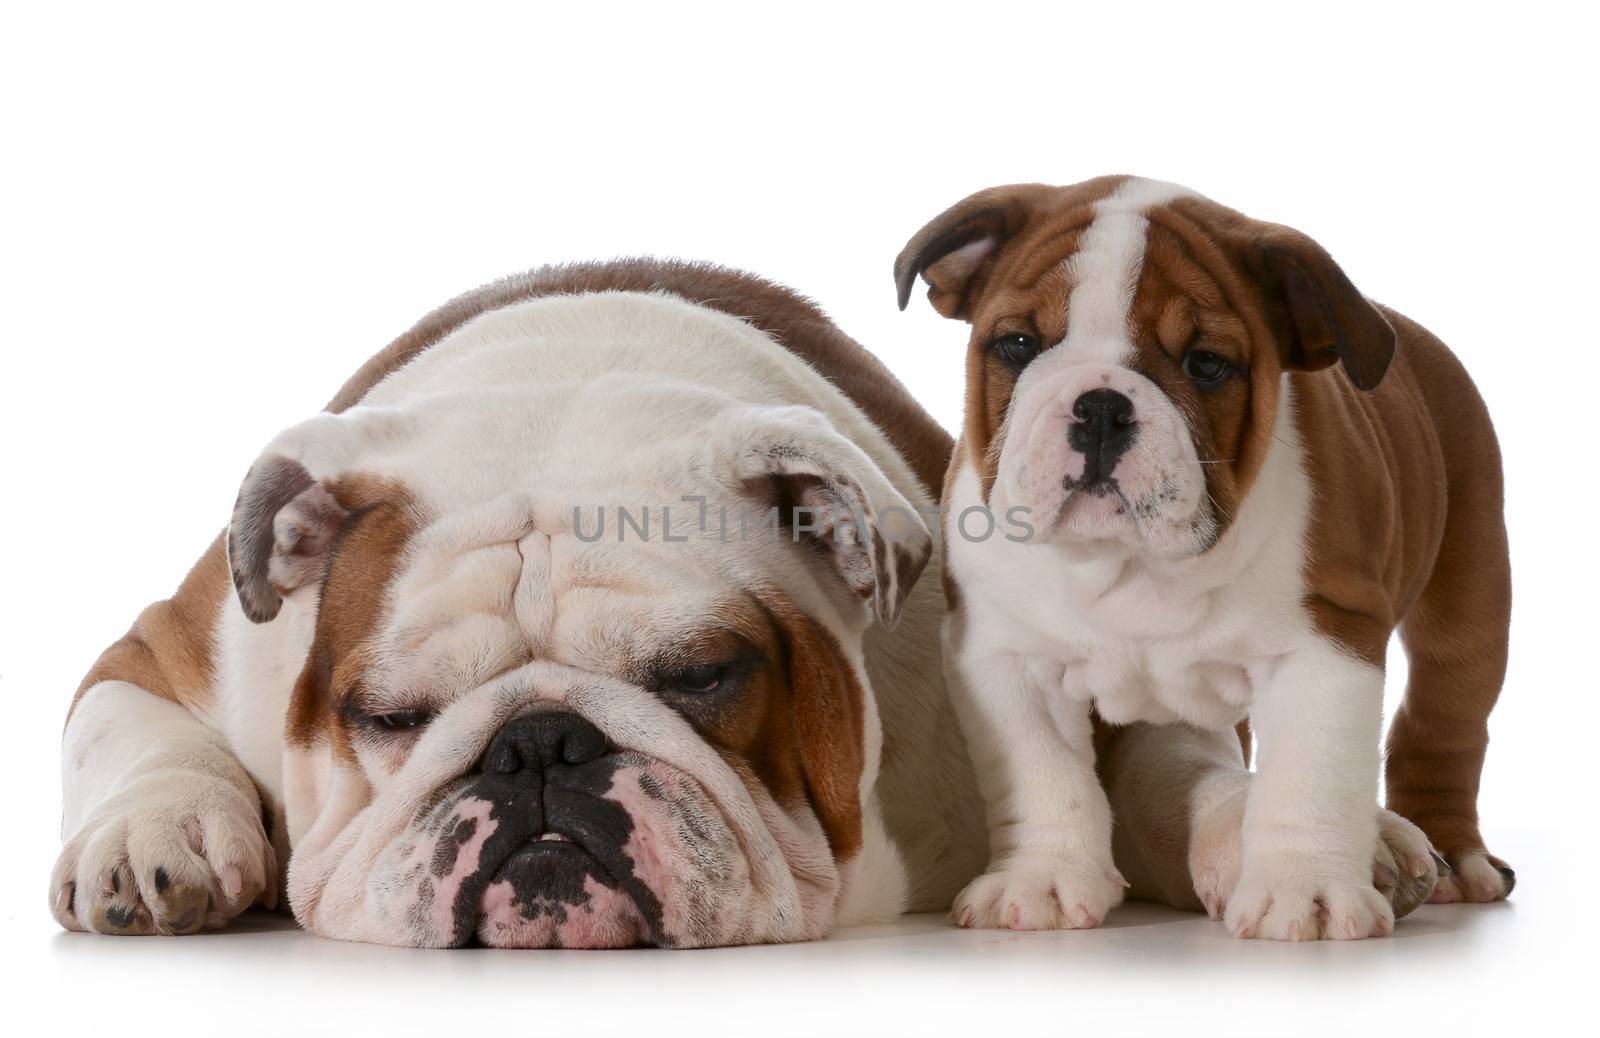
point(490, 653)
point(1231, 477)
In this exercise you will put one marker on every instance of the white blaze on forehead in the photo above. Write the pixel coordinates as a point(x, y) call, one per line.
point(1159, 479)
point(1105, 271)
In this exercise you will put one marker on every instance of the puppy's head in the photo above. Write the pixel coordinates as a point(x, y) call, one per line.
point(566, 684)
point(1128, 344)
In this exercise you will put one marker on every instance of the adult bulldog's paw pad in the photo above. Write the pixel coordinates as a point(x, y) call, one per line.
point(1053, 896)
point(165, 858)
point(1476, 877)
point(1307, 907)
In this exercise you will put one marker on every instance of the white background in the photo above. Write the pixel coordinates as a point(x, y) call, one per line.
point(210, 216)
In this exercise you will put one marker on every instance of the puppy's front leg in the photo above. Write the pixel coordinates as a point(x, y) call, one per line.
point(1309, 828)
point(1049, 823)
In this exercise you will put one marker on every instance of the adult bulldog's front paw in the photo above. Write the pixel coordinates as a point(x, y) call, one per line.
point(175, 853)
point(1290, 903)
point(1043, 893)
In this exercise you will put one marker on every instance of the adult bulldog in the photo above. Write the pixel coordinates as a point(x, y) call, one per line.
point(1239, 477)
point(492, 651)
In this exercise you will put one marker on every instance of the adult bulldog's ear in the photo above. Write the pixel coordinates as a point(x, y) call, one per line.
point(830, 722)
point(830, 495)
point(1322, 317)
point(284, 523)
point(288, 514)
point(956, 250)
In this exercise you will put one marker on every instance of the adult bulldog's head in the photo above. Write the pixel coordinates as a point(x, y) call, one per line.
point(566, 684)
point(1129, 339)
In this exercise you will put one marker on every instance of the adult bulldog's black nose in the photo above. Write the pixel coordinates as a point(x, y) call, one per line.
point(1103, 431)
point(533, 742)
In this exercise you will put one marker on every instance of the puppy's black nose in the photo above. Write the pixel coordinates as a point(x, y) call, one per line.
point(1103, 431)
point(533, 742)
point(1105, 406)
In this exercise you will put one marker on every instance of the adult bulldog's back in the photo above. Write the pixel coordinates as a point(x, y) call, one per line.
point(785, 315)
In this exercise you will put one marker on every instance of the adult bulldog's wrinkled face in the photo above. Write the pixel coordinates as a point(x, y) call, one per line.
point(1128, 343)
point(525, 722)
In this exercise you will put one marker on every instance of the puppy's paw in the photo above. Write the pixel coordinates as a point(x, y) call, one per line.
point(1214, 846)
point(175, 853)
point(1288, 903)
point(1405, 868)
point(1474, 876)
point(1040, 893)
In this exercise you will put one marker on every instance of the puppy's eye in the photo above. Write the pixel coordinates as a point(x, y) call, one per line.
point(1015, 351)
point(1205, 367)
point(401, 720)
point(699, 680)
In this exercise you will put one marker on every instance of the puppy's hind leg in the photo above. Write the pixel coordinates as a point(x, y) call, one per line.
point(1456, 637)
point(1178, 797)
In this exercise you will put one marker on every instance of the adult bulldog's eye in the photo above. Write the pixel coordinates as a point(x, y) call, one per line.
point(401, 720)
point(1205, 367)
point(698, 680)
point(1015, 351)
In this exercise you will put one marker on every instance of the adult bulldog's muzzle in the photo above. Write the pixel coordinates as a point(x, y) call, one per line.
point(587, 814)
point(550, 842)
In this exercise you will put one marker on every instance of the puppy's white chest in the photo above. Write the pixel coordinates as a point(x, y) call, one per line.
point(1147, 639)
point(1147, 650)
point(1129, 683)
point(1159, 654)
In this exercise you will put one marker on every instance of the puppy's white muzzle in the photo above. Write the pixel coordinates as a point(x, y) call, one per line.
point(1097, 452)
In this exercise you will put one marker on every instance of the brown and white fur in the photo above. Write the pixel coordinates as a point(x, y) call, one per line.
point(1240, 476)
point(413, 675)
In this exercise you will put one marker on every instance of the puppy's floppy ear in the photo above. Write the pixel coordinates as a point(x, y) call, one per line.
point(830, 495)
point(957, 248)
point(1320, 316)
